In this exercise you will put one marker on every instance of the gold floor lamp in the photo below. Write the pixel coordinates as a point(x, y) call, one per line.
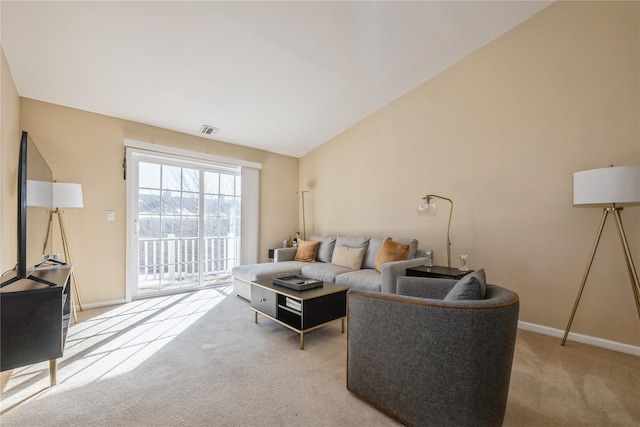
point(429, 207)
point(607, 186)
point(304, 224)
point(65, 195)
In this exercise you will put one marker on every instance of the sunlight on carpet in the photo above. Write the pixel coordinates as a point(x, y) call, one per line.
point(114, 343)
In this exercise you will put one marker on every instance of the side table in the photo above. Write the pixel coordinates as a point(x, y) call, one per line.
point(437, 271)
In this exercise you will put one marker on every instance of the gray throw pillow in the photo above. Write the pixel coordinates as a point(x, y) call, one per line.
point(473, 286)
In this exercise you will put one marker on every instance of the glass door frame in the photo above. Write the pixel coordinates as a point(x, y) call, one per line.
point(133, 157)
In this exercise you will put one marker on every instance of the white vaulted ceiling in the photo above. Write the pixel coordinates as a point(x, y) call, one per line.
point(278, 76)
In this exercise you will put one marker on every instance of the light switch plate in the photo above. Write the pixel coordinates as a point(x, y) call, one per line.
point(111, 215)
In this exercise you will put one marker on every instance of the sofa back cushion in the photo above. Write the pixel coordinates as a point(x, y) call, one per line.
point(325, 250)
point(306, 251)
point(413, 246)
point(372, 252)
point(353, 242)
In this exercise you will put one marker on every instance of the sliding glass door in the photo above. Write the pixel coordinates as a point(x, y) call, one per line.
point(187, 220)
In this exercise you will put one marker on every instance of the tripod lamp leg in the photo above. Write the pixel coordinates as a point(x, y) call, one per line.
point(586, 274)
point(635, 285)
point(67, 257)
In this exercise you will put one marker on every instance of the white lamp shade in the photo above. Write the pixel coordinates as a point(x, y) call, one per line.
point(620, 184)
point(67, 195)
point(39, 194)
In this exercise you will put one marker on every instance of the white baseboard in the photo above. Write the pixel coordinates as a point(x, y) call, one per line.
point(102, 304)
point(585, 339)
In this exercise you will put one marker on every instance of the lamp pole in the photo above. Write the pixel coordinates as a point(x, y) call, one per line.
point(304, 225)
point(430, 209)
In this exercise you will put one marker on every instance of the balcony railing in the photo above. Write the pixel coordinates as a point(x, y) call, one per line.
point(172, 262)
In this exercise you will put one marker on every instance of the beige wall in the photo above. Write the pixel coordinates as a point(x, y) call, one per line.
point(501, 133)
point(9, 147)
point(88, 148)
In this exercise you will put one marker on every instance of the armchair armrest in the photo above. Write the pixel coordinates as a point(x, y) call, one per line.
point(392, 270)
point(284, 254)
point(424, 287)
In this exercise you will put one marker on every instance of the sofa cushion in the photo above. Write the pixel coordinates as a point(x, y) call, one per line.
point(372, 251)
point(473, 286)
point(366, 279)
point(325, 250)
point(352, 242)
point(391, 251)
point(323, 271)
point(413, 246)
point(306, 251)
point(347, 257)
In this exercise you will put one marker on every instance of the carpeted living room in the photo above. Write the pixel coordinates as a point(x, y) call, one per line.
point(290, 122)
point(198, 359)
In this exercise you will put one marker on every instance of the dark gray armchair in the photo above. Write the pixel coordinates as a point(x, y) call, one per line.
point(429, 362)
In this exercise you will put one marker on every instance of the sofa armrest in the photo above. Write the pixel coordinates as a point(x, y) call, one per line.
point(284, 254)
point(392, 270)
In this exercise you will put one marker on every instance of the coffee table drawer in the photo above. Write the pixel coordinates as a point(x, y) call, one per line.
point(264, 300)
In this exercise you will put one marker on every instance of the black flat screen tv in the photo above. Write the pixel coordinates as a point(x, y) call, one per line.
point(35, 200)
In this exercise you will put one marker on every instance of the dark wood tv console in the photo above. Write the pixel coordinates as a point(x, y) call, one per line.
point(34, 318)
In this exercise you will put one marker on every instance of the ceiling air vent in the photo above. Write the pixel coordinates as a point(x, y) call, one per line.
point(209, 130)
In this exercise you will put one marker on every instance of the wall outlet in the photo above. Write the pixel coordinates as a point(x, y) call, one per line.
point(111, 215)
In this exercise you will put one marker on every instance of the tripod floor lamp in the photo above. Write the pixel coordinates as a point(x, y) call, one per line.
point(65, 195)
point(428, 207)
point(607, 186)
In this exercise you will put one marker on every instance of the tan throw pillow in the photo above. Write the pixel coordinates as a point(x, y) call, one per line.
point(391, 251)
point(347, 257)
point(306, 251)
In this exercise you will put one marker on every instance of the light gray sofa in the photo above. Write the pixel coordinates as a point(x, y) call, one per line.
point(364, 278)
point(429, 361)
